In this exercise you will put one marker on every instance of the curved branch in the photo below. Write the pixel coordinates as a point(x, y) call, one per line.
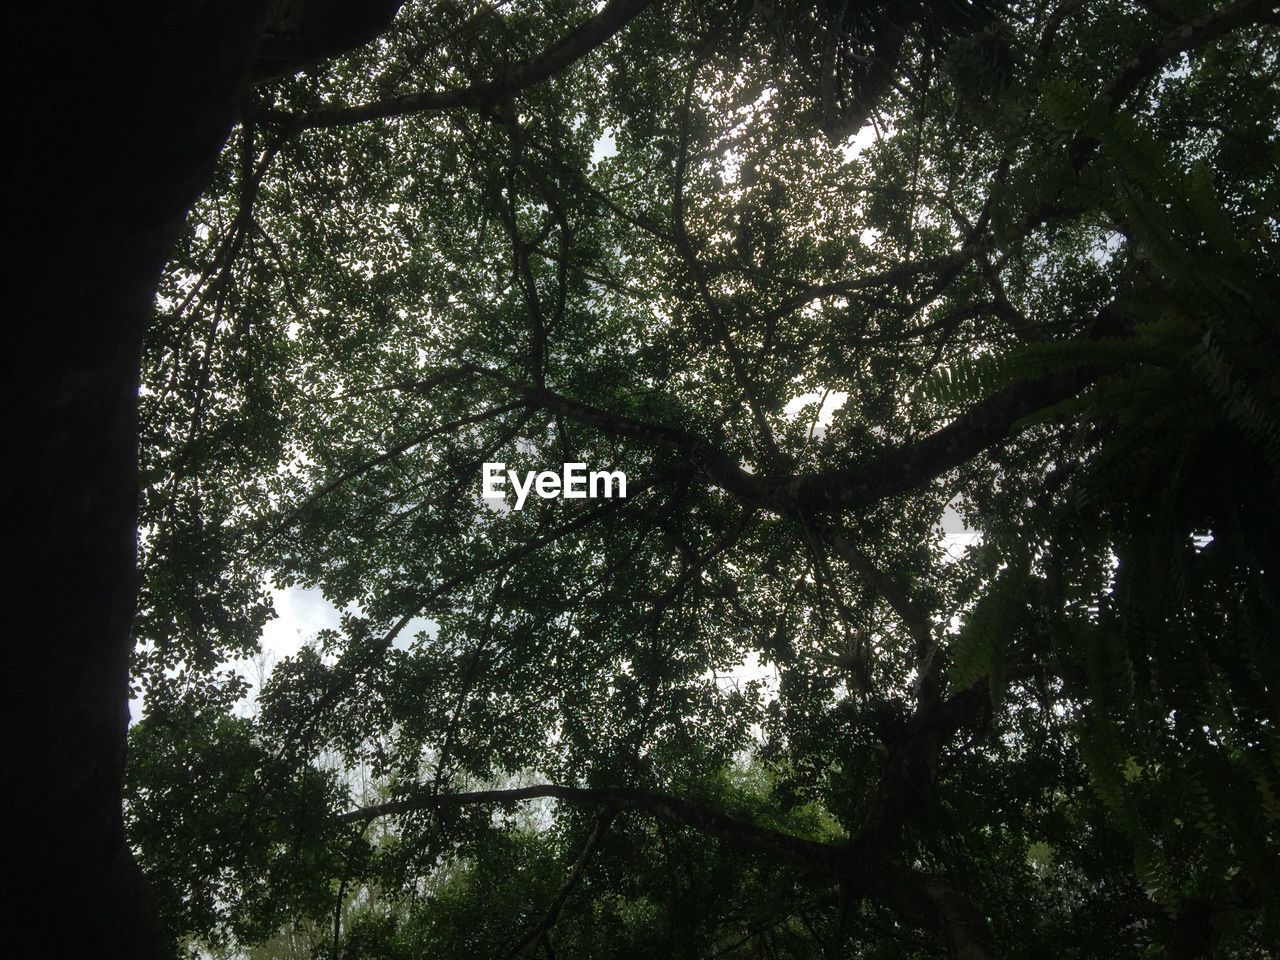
point(897, 470)
point(298, 35)
point(904, 468)
point(528, 73)
point(1184, 38)
point(922, 898)
point(809, 855)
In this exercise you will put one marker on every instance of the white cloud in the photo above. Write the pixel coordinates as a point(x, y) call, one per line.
point(831, 400)
point(604, 147)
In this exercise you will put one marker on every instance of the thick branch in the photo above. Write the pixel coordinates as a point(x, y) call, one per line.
point(895, 471)
point(298, 35)
point(571, 48)
point(912, 465)
point(919, 897)
point(938, 906)
point(806, 854)
point(1187, 37)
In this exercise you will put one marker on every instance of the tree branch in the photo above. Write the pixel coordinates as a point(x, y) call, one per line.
point(809, 855)
point(528, 73)
point(912, 465)
point(895, 471)
point(300, 34)
point(598, 829)
point(404, 446)
point(938, 906)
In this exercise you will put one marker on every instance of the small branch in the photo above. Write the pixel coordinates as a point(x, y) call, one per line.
point(913, 617)
point(389, 454)
point(685, 248)
point(601, 825)
point(891, 277)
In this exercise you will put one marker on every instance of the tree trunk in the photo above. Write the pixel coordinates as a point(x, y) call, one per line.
point(114, 118)
point(116, 114)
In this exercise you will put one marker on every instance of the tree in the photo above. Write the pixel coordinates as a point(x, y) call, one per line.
point(850, 269)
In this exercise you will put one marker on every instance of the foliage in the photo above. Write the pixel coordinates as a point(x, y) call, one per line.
point(1032, 248)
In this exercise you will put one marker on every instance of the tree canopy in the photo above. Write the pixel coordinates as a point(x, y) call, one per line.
point(819, 278)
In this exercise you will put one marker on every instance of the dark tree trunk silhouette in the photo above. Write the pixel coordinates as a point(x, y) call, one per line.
point(115, 115)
